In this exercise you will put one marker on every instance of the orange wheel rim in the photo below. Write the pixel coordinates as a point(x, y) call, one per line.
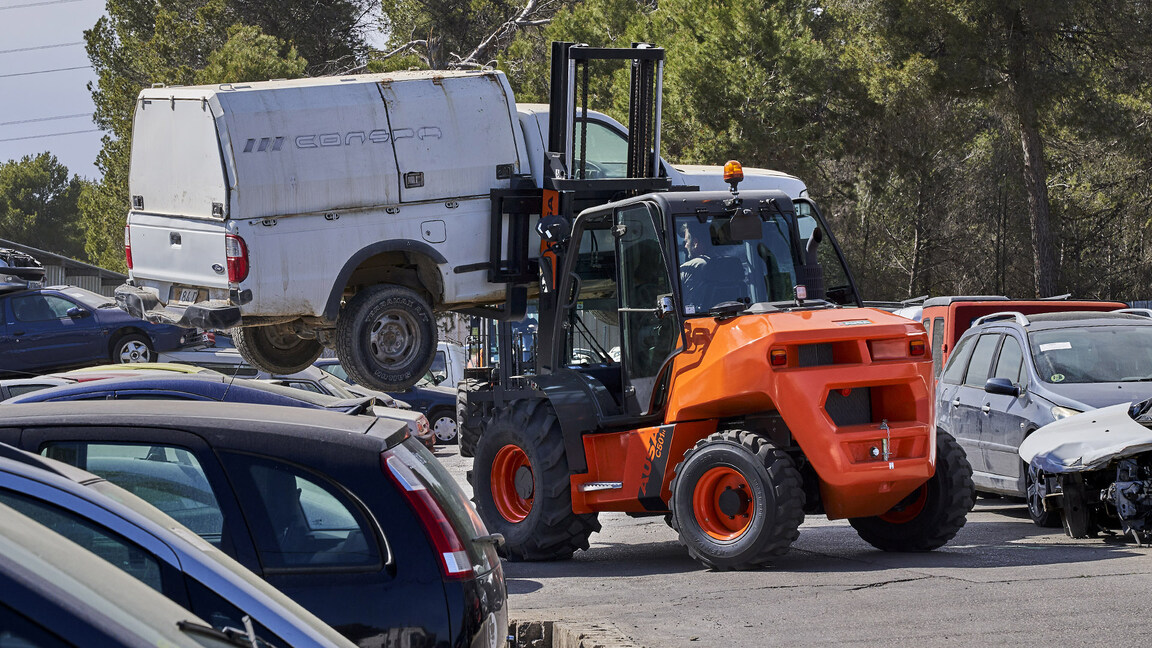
point(722, 503)
point(908, 508)
point(513, 485)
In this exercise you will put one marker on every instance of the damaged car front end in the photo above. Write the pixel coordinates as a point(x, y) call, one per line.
point(1095, 468)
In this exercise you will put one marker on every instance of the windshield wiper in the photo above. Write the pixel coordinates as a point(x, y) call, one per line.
point(246, 637)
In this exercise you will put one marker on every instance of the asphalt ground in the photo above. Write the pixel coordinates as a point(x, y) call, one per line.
point(1002, 581)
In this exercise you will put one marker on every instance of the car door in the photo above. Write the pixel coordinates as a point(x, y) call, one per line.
point(1008, 416)
point(968, 402)
point(48, 330)
point(174, 471)
point(948, 401)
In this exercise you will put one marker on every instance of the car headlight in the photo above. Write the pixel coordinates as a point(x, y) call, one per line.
point(1062, 412)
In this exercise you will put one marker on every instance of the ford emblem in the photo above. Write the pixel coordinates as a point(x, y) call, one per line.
point(217, 268)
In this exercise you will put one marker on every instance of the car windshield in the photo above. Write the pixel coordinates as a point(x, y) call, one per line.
point(1093, 354)
point(717, 268)
point(337, 387)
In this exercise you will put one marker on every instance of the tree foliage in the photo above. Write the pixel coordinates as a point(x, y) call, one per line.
point(38, 204)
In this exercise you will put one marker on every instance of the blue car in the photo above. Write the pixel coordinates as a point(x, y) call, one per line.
point(202, 387)
point(46, 329)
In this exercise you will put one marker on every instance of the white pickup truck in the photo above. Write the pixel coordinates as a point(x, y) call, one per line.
point(339, 212)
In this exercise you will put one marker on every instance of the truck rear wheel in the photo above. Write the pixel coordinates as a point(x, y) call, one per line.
point(523, 488)
point(469, 417)
point(931, 515)
point(386, 337)
point(276, 348)
point(737, 501)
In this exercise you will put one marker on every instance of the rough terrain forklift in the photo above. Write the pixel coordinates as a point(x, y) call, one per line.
point(701, 356)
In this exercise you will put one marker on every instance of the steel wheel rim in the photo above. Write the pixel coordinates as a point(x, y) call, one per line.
point(134, 351)
point(1032, 493)
point(909, 507)
point(706, 503)
point(510, 503)
point(390, 335)
point(444, 428)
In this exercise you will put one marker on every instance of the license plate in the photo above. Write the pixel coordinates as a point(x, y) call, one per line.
point(186, 295)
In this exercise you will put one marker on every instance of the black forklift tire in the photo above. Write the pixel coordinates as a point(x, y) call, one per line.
point(469, 417)
point(386, 337)
point(1034, 499)
point(522, 486)
point(932, 514)
point(275, 348)
point(737, 501)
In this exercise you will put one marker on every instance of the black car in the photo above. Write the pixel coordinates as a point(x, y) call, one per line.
point(1010, 374)
point(348, 515)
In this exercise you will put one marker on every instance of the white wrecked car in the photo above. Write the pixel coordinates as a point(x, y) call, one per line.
point(1096, 469)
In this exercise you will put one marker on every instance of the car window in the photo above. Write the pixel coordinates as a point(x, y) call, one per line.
point(1010, 364)
point(167, 477)
point(981, 361)
point(17, 631)
point(1116, 353)
point(117, 550)
point(958, 362)
point(937, 345)
point(221, 613)
point(300, 384)
point(20, 390)
point(40, 308)
point(303, 520)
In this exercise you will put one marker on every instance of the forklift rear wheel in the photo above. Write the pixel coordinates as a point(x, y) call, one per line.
point(386, 337)
point(523, 487)
point(932, 514)
point(469, 417)
point(737, 501)
point(276, 348)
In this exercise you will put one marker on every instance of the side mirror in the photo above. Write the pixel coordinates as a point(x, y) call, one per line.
point(77, 313)
point(1001, 386)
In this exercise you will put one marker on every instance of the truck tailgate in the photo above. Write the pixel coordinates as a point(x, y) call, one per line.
point(184, 251)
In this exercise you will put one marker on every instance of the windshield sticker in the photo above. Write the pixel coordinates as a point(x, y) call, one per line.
point(1053, 346)
point(854, 322)
point(1057, 377)
point(689, 309)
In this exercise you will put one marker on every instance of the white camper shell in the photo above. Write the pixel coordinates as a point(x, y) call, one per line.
point(338, 211)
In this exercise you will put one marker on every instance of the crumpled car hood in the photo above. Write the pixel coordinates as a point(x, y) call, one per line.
point(1087, 441)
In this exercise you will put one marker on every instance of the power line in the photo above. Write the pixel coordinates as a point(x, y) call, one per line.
point(29, 137)
point(39, 47)
point(78, 67)
point(39, 4)
point(40, 119)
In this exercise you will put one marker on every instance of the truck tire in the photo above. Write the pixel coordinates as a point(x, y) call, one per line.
point(275, 348)
point(932, 514)
point(132, 347)
point(737, 501)
point(442, 420)
point(469, 417)
point(523, 488)
point(386, 337)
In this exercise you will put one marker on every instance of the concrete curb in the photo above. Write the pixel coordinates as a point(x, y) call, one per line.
point(558, 634)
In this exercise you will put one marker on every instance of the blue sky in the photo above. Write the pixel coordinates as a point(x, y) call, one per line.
point(44, 106)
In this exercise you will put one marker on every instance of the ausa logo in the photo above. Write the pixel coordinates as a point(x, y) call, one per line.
point(655, 464)
point(329, 140)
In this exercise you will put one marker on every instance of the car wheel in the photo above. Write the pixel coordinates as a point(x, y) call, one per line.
point(523, 487)
point(933, 513)
point(443, 422)
point(133, 347)
point(737, 501)
point(1034, 492)
point(386, 337)
point(276, 348)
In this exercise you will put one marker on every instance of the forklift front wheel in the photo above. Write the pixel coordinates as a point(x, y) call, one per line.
point(737, 501)
point(513, 487)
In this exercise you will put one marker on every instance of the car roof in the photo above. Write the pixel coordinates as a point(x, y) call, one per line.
point(197, 558)
point(240, 426)
point(1061, 319)
point(37, 563)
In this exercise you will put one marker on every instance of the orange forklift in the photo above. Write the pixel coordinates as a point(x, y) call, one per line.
point(692, 363)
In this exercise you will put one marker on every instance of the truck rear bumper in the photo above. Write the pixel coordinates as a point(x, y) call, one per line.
point(210, 315)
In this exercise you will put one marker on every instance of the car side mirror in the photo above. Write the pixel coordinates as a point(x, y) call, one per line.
point(77, 313)
point(1001, 386)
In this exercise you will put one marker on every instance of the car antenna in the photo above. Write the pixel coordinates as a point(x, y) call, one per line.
point(231, 379)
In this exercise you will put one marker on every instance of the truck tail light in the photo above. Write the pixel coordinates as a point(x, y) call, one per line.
point(917, 348)
point(454, 560)
point(237, 253)
point(778, 357)
point(127, 247)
